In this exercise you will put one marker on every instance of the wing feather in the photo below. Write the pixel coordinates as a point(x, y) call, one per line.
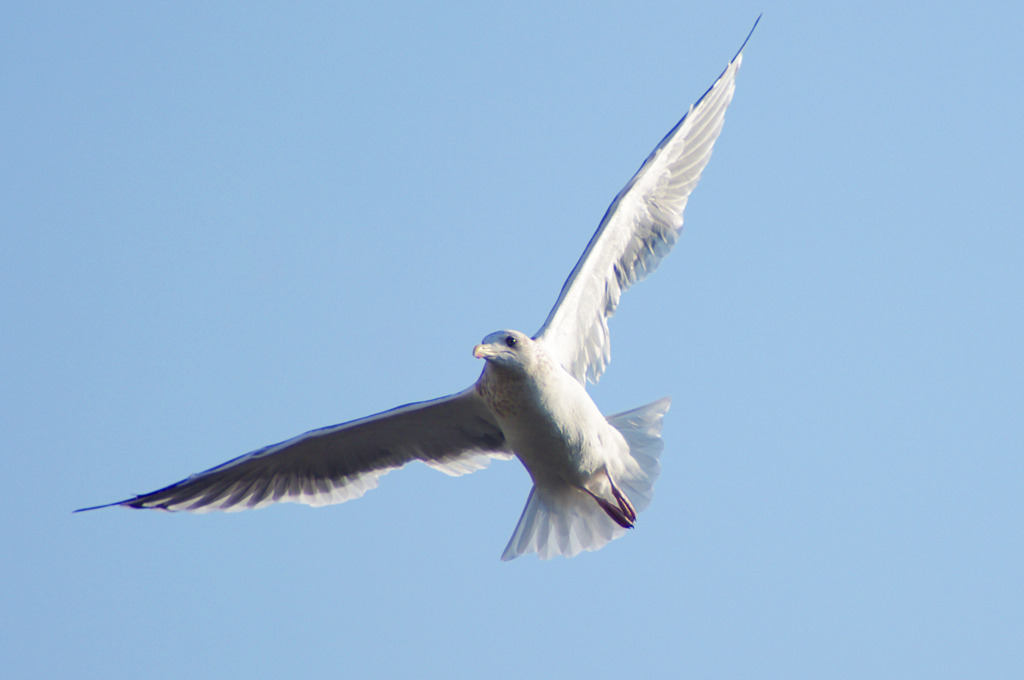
point(455, 434)
point(638, 230)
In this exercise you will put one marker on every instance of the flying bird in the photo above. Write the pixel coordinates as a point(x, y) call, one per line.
point(591, 474)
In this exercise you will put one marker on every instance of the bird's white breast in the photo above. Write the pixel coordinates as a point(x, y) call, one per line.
point(550, 422)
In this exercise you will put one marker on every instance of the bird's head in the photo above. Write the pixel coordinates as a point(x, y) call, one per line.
point(507, 349)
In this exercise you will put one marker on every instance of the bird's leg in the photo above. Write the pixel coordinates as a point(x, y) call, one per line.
point(622, 511)
point(620, 498)
point(614, 511)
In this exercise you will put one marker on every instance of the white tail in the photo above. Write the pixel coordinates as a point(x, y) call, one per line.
point(567, 521)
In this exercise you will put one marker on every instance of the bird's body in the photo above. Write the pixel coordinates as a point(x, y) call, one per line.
point(549, 421)
point(592, 474)
point(572, 452)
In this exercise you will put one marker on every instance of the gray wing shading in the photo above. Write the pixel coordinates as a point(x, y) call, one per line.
point(639, 228)
point(455, 434)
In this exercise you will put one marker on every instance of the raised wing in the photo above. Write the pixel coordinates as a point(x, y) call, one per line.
point(639, 228)
point(455, 434)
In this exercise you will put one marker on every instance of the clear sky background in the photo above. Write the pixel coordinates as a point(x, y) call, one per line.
point(223, 226)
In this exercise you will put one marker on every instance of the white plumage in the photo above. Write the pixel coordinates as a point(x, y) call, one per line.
point(591, 473)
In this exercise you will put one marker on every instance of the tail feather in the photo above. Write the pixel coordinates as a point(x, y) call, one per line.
point(568, 521)
point(641, 428)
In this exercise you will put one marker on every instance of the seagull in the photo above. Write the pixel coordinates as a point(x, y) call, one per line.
point(591, 474)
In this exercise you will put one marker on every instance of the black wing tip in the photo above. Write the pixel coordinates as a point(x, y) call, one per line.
point(747, 39)
point(136, 502)
point(99, 507)
point(724, 71)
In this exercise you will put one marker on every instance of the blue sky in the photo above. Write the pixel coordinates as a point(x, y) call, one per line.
point(223, 226)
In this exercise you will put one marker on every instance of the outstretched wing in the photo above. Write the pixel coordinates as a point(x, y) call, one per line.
point(455, 434)
point(639, 228)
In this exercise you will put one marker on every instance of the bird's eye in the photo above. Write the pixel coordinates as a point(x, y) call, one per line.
point(510, 340)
